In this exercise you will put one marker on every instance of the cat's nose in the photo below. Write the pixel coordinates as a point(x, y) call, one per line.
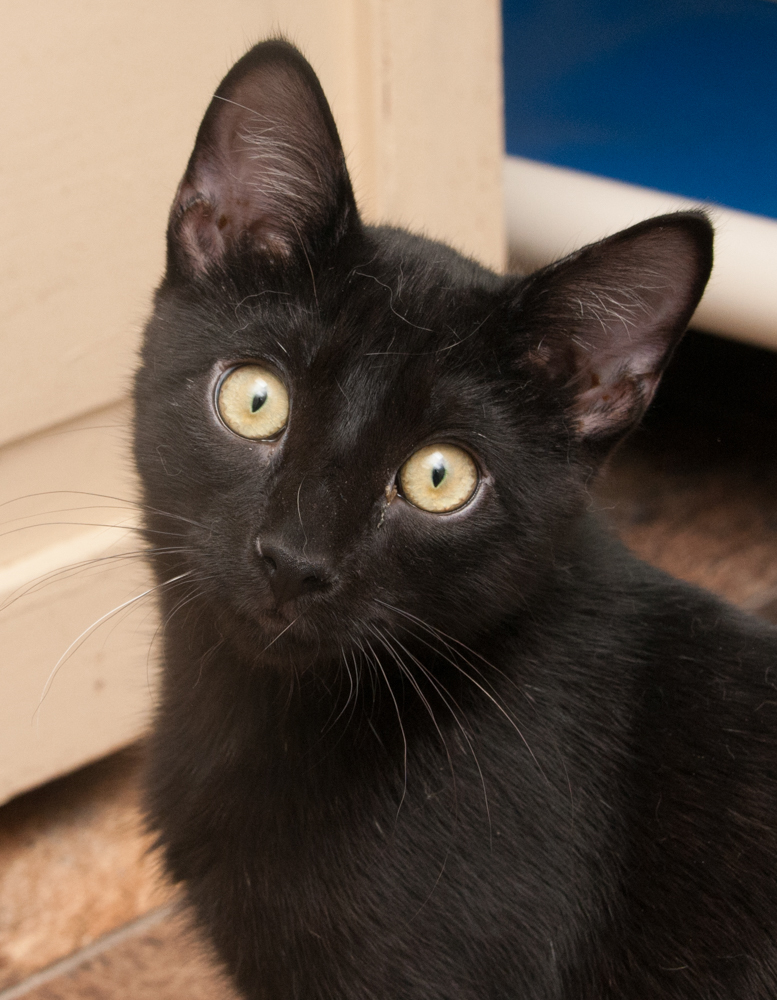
point(290, 574)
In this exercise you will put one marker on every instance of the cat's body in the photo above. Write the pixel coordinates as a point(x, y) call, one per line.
point(412, 752)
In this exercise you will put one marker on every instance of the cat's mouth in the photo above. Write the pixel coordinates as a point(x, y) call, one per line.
point(289, 633)
point(282, 641)
point(277, 622)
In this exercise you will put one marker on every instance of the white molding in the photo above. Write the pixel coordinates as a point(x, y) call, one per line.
point(101, 696)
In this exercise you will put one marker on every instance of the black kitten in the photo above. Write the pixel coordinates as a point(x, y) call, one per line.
point(426, 730)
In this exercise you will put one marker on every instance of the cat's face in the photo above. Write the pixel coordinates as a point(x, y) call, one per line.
point(378, 456)
point(356, 430)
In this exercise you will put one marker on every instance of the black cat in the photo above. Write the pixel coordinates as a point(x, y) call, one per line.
point(426, 729)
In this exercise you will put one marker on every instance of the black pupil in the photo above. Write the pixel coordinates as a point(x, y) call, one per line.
point(260, 398)
point(438, 474)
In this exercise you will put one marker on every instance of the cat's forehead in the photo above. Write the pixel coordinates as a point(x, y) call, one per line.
point(384, 307)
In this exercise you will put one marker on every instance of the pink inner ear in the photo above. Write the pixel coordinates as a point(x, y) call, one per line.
point(605, 408)
point(199, 235)
point(622, 369)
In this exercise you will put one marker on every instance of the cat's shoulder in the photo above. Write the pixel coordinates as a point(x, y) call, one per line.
point(674, 620)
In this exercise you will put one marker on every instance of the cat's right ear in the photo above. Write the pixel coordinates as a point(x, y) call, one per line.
point(603, 322)
point(267, 175)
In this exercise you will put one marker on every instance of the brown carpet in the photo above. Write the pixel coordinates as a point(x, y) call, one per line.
point(694, 490)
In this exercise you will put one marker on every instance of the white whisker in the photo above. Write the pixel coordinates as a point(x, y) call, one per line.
point(277, 637)
point(502, 710)
point(91, 628)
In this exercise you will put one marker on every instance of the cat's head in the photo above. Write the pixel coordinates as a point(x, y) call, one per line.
point(351, 431)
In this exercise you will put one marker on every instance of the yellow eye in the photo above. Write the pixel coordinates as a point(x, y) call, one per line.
point(439, 478)
point(253, 402)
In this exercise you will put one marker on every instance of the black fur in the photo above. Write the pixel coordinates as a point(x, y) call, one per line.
point(490, 754)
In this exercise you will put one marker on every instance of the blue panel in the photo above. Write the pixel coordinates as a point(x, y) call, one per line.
point(679, 96)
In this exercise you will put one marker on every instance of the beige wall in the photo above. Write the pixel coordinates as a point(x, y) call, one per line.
point(101, 102)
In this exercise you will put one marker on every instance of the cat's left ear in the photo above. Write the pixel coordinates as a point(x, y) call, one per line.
point(267, 175)
point(604, 321)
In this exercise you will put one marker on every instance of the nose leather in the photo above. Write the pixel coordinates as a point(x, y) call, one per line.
point(290, 574)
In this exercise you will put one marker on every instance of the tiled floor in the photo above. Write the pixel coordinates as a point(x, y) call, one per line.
point(694, 491)
point(74, 865)
point(157, 958)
